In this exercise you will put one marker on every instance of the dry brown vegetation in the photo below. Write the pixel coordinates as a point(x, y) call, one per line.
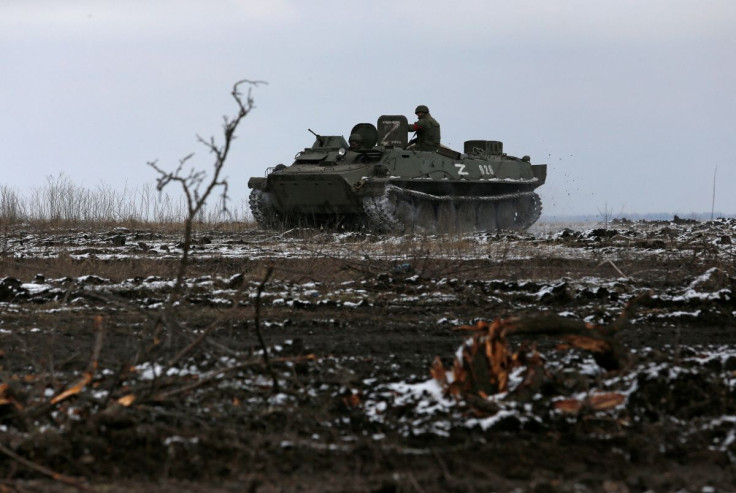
point(60, 203)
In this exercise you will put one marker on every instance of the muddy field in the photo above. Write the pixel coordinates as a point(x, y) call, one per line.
point(113, 378)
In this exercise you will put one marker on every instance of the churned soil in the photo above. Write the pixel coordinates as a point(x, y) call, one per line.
point(114, 379)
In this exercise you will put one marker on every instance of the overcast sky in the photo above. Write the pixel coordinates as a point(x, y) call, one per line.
point(630, 102)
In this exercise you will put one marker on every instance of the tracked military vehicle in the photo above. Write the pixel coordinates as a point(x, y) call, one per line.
point(386, 185)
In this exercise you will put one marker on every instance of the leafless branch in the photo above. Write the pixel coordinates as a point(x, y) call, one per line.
point(257, 318)
point(196, 185)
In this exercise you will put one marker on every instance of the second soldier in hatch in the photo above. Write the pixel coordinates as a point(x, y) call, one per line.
point(427, 129)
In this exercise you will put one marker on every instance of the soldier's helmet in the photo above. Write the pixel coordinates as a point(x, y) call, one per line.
point(421, 109)
point(355, 140)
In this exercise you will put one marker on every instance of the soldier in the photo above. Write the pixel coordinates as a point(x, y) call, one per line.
point(427, 129)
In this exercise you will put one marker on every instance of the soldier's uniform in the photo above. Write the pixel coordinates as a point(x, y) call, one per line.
point(427, 129)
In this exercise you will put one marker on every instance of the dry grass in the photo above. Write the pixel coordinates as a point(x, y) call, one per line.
point(62, 204)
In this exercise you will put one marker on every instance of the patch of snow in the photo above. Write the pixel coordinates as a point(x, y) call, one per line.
point(486, 423)
point(36, 288)
point(352, 304)
point(179, 439)
point(691, 294)
point(280, 399)
point(694, 314)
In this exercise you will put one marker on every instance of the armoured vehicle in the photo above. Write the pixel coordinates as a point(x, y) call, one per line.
point(384, 184)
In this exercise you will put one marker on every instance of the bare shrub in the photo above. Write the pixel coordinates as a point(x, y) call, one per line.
point(196, 185)
point(11, 210)
point(606, 214)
